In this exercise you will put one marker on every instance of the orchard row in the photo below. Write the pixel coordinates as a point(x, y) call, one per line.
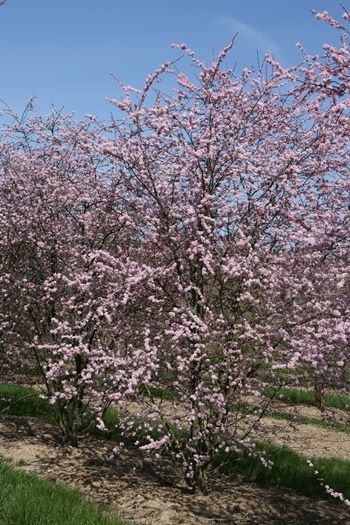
point(197, 244)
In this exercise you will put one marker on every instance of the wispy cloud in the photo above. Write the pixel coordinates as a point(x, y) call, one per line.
point(248, 33)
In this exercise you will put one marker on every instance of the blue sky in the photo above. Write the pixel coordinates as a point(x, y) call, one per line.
point(65, 50)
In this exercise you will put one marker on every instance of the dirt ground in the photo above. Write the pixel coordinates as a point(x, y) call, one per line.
point(308, 440)
point(137, 493)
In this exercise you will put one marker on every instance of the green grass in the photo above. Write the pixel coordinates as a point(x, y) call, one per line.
point(289, 468)
point(27, 500)
point(162, 393)
point(16, 400)
point(307, 397)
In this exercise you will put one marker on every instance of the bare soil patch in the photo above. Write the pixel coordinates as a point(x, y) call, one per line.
point(134, 491)
point(308, 440)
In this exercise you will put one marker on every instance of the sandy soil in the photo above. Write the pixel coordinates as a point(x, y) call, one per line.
point(136, 492)
point(308, 440)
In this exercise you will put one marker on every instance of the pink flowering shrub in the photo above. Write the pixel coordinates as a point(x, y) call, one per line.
point(237, 187)
point(68, 277)
point(175, 260)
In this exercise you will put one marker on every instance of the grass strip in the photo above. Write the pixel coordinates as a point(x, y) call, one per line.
point(26, 499)
point(307, 397)
point(289, 469)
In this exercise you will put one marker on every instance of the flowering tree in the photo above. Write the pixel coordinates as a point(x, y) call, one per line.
point(67, 272)
point(229, 179)
point(319, 262)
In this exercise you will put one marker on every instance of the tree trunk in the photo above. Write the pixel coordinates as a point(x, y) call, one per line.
point(319, 397)
point(69, 420)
